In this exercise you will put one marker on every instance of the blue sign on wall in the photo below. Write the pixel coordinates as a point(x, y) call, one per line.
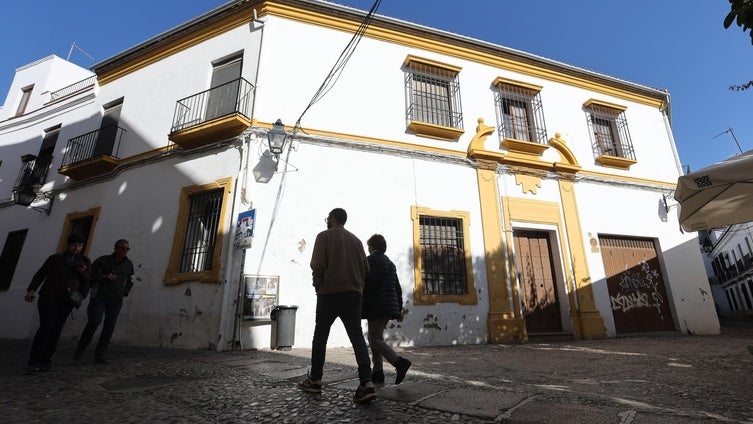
point(244, 229)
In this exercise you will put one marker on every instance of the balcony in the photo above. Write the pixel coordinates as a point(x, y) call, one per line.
point(92, 154)
point(217, 114)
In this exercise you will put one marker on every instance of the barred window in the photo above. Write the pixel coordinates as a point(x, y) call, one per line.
point(197, 242)
point(432, 93)
point(443, 263)
point(520, 114)
point(201, 231)
point(82, 223)
point(443, 254)
point(609, 130)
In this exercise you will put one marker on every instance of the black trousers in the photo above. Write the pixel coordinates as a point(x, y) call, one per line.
point(53, 312)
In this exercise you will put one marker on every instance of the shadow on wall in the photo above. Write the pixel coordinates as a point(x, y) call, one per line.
point(118, 196)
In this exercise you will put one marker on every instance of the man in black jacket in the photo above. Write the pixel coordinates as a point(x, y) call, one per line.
point(111, 283)
point(59, 275)
point(382, 301)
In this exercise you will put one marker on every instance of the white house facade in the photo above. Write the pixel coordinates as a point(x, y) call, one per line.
point(519, 196)
point(729, 264)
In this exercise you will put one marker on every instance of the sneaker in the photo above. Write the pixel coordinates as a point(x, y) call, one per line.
point(401, 367)
point(377, 378)
point(365, 393)
point(311, 386)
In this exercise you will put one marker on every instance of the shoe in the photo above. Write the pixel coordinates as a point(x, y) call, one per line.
point(377, 378)
point(401, 367)
point(365, 393)
point(31, 369)
point(78, 354)
point(311, 386)
point(45, 368)
point(100, 361)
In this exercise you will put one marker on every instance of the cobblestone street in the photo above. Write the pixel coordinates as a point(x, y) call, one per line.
point(659, 379)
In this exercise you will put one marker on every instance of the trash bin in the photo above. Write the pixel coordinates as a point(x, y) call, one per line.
point(283, 326)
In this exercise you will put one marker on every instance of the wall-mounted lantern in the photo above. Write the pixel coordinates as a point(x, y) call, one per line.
point(277, 137)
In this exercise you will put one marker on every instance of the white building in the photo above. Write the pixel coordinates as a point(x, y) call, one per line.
point(729, 264)
point(518, 195)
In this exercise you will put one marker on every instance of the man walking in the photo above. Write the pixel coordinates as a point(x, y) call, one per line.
point(339, 268)
point(61, 274)
point(111, 282)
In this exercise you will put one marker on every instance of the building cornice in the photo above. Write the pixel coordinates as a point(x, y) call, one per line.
point(383, 28)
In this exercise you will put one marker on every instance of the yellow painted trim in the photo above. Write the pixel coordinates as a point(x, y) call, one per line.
point(441, 46)
point(438, 132)
point(667, 184)
point(506, 81)
point(616, 162)
point(444, 46)
point(522, 146)
point(173, 274)
point(594, 102)
point(504, 324)
point(148, 153)
point(419, 298)
point(374, 140)
point(565, 153)
point(433, 63)
point(68, 226)
point(590, 323)
point(528, 183)
point(476, 146)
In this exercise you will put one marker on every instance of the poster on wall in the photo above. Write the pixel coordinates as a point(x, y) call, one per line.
point(244, 229)
point(261, 296)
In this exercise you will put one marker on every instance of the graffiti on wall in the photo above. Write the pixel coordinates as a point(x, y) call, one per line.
point(639, 287)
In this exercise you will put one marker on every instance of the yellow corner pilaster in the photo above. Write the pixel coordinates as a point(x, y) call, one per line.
point(588, 322)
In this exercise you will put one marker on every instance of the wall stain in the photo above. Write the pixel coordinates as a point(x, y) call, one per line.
point(431, 322)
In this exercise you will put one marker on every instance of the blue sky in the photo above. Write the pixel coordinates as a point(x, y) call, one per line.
point(678, 45)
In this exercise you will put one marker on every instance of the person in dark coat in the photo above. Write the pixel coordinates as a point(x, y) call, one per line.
point(382, 301)
point(60, 274)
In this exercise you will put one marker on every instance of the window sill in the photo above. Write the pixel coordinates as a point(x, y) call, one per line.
point(204, 276)
point(520, 146)
point(432, 299)
point(616, 162)
point(440, 132)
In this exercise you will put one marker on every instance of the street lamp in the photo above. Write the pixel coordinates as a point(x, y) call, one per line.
point(276, 137)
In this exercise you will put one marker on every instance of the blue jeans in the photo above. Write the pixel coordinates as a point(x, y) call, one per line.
point(98, 307)
point(347, 307)
point(53, 312)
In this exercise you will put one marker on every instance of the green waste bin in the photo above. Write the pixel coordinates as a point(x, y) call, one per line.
point(283, 326)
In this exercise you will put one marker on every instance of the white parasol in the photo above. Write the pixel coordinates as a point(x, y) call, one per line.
point(718, 195)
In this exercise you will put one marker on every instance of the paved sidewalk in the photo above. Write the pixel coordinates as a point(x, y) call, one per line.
point(661, 379)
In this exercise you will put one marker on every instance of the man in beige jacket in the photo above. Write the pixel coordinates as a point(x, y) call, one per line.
point(339, 268)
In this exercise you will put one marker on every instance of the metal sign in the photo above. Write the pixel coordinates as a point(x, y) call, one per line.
point(244, 229)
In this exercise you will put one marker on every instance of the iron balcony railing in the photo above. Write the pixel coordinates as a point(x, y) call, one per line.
point(233, 97)
point(104, 141)
point(33, 171)
point(73, 88)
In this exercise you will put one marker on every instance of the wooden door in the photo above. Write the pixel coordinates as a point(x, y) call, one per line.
point(538, 290)
point(636, 285)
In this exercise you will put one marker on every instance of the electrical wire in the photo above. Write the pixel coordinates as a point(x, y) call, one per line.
point(326, 86)
point(334, 74)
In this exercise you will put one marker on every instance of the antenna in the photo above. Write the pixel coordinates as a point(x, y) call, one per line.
point(731, 132)
point(73, 45)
